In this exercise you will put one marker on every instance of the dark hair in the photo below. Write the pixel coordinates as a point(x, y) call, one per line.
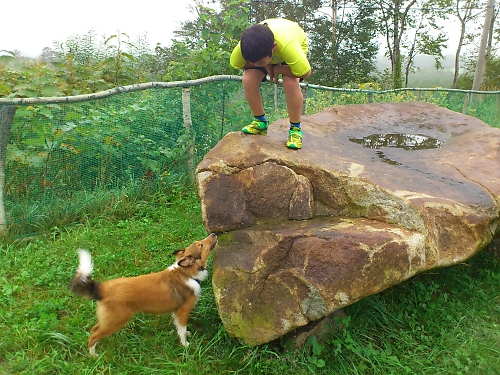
point(257, 42)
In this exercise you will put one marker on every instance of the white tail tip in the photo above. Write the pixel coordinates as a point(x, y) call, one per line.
point(85, 268)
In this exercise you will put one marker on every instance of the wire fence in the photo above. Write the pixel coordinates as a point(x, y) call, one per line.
point(65, 157)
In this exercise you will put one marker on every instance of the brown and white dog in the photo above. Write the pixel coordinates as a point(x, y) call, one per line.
point(174, 290)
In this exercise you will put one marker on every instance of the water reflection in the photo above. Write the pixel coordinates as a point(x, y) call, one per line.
point(405, 141)
point(397, 140)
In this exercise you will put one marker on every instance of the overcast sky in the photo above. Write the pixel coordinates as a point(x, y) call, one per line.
point(31, 25)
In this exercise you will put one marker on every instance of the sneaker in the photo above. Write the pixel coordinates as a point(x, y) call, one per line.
point(256, 127)
point(294, 138)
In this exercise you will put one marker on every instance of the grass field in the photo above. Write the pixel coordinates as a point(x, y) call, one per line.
point(442, 322)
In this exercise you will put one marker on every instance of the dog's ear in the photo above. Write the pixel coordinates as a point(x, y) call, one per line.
point(176, 252)
point(187, 261)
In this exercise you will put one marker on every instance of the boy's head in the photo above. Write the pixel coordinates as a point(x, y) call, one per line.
point(257, 42)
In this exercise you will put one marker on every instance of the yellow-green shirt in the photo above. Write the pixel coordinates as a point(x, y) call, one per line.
point(291, 47)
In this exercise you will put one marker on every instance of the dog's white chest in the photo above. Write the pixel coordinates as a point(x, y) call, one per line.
point(195, 286)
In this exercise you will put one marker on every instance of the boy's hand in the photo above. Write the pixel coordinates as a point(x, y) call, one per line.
point(270, 71)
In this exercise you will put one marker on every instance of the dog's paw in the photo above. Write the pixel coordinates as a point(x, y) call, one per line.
point(188, 333)
point(92, 352)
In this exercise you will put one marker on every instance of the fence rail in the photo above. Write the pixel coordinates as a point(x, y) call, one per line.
point(116, 91)
point(201, 81)
point(57, 154)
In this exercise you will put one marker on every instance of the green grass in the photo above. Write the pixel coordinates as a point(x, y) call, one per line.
point(441, 322)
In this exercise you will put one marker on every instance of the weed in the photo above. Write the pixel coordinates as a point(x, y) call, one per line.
point(443, 322)
point(316, 349)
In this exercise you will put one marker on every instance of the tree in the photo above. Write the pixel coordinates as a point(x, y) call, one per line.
point(343, 50)
point(488, 79)
point(466, 12)
point(334, 38)
point(491, 31)
point(259, 10)
point(145, 65)
point(48, 55)
point(483, 52)
point(202, 47)
point(302, 11)
point(409, 28)
point(423, 42)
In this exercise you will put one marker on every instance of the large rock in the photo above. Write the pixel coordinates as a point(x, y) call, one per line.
point(378, 193)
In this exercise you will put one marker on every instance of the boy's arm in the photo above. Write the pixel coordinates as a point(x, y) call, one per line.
point(236, 60)
point(297, 63)
point(285, 70)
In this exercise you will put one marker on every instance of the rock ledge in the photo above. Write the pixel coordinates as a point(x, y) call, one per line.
point(379, 193)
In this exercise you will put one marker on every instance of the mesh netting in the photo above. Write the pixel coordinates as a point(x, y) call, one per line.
point(63, 158)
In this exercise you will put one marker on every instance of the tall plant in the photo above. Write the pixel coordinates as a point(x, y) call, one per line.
point(202, 47)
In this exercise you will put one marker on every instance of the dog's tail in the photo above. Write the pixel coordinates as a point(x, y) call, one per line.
point(81, 284)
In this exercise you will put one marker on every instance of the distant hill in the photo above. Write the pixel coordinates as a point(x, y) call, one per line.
point(427, 76)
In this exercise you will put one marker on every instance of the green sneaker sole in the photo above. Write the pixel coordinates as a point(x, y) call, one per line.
point(256, 128)
point(253, 131)
point(293, 146)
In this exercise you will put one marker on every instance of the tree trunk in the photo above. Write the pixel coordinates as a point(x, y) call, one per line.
point(481, 57)
point(457, 55)
point(396, 53)
point(491, 32)
point(6, 116)
point(334, 40)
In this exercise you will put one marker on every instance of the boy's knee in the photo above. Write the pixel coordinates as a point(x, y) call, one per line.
point(251, 84)
point(291, 83)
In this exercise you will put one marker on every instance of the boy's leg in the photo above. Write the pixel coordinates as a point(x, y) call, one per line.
point(294, 98)
point(294, 103)
point(251, 87)
point(252, 77)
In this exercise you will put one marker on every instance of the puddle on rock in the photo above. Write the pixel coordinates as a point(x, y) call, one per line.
point(407, 142)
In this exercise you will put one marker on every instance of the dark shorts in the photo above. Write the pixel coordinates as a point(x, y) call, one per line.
point(263, 70)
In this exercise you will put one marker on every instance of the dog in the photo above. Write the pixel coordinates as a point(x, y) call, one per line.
point(174, 290)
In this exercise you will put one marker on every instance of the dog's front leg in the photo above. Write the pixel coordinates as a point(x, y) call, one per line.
point(181, 330)
point(181, 318)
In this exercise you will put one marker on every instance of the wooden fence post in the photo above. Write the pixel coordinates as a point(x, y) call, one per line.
point(304, 98)
point(275, 98)
point(497, 112)
point(466, 103)
point(188, 124)
point(7, 113)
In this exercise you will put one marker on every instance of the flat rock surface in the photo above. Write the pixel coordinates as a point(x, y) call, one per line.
point(378, 193)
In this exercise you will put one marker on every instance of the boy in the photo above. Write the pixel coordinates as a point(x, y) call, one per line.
point(274, 47)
